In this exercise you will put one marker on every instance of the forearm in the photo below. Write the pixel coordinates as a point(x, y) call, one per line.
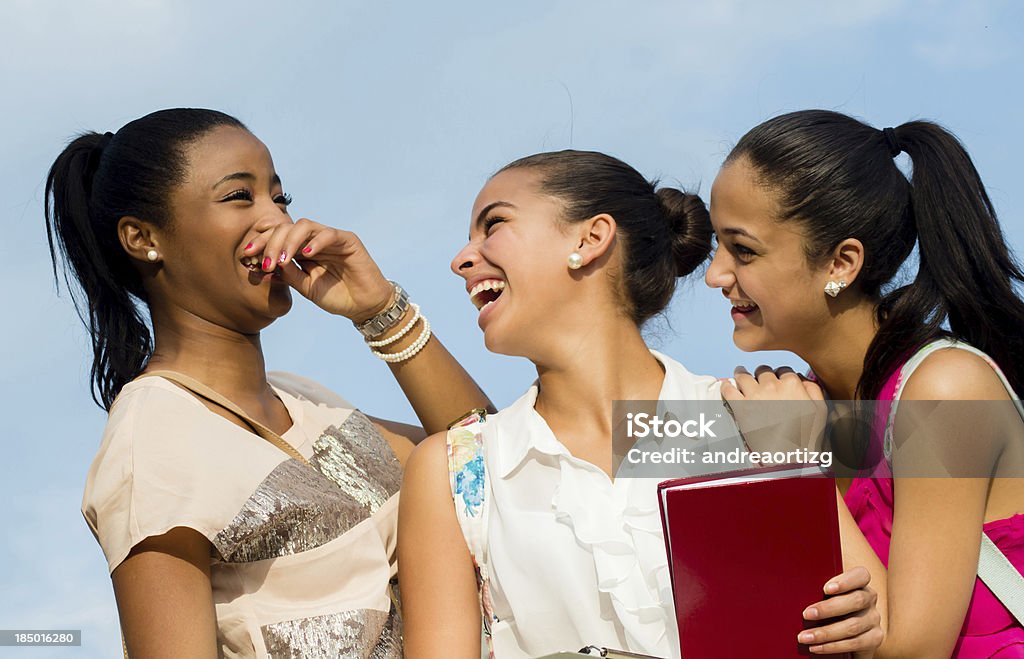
point(436, 385)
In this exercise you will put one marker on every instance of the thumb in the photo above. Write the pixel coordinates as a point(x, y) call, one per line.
point(295, 277)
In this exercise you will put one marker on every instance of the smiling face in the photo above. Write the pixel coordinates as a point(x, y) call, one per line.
point(760, 264)
point(230, 194)
point(515, 262)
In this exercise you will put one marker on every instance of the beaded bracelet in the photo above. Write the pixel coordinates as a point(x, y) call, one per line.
point(405, 330)
point(411, 351)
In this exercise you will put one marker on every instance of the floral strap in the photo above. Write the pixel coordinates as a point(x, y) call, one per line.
point(467, 476)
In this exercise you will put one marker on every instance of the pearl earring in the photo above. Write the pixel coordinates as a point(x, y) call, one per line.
point(575, 261)
point(834, 288)
point(152, 255)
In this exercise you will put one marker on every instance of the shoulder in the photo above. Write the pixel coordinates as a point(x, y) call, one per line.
point(954, 374)
point(428, 461)
point(687, 385)
point(153, 408)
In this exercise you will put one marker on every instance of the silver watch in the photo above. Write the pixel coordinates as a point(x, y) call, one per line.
point(386, 319)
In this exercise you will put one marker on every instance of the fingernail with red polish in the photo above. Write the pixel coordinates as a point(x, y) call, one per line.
point(283, 257)
point(307, 250)
point(266, 263)
point(248, 247)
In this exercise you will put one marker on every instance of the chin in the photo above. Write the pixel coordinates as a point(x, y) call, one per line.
point(748, 341)
point(279, 303)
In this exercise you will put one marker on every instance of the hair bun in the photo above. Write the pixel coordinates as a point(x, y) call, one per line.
point(690, 226)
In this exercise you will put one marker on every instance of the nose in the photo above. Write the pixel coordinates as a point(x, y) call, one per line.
point(465, 260)
point(719, 273)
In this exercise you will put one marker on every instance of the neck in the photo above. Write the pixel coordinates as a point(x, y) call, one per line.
point(228, 361)
point(837, 359)
point(586, 373)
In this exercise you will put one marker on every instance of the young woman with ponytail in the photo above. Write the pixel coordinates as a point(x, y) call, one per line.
point(179, 248)
point(814, 221)
point(569, 254)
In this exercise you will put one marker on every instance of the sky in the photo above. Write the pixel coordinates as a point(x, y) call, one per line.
point(386, 119)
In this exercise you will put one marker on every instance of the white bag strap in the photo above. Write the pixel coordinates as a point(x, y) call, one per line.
point(994, 569)
point(1001, 577)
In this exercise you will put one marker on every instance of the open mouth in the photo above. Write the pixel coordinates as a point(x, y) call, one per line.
point(743, 308)
point(252, 264)
point(486, 292)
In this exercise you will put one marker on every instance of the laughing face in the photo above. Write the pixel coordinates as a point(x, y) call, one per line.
point(515, 263)
point(230, 194)
point(760, 264)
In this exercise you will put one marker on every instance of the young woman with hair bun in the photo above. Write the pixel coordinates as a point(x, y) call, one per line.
point(241, 513)
point(815, 222)
point(569, 254)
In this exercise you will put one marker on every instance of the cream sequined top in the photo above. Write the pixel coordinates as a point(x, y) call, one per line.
point(302, 555)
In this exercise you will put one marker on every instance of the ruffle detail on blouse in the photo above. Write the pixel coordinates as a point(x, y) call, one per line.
point(636, 591)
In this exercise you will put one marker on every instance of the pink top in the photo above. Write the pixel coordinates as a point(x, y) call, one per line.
point(989, 630)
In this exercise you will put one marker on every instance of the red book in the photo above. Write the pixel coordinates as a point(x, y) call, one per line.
point(748, 552)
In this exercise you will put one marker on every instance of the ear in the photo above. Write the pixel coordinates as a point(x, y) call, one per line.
point(137, 237)
point(847, 261)
point(596, 236)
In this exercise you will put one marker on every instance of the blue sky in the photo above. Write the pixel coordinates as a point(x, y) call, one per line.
point(386, 119)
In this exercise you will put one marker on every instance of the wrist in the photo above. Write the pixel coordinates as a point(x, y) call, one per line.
point(373, 322)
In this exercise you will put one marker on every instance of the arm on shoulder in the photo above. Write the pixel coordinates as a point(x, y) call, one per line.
point(403, 437)
point(439, 593)
point(164, 597)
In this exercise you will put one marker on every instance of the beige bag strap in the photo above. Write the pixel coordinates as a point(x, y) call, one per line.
point(201, 390)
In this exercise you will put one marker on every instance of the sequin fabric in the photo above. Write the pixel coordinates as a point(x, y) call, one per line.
point(359, 460)
point(297, 508)
point(358, 634)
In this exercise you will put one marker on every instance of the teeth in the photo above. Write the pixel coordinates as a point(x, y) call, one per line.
point(744, 305)
point(487, 285)
point(250, 261)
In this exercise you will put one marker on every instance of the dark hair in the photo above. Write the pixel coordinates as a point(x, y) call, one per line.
point(665, 233)
point(837, 177)
point(95, 181)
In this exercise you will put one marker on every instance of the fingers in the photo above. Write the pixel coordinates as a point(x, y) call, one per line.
point(853, 634)
point(853, 602)
point(295, 277)
point(730, 392)
point(744, 380)
point(284, 242)
point(812, 389)
point(770, 383)
point(850, 580)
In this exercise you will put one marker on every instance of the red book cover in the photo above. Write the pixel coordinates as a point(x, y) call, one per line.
point(748, 552)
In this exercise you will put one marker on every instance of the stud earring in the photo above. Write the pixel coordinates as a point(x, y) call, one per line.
point(152, 255)
point(575, 261)
point(834, 288)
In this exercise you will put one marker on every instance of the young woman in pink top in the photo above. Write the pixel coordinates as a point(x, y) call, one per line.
point(814, 221)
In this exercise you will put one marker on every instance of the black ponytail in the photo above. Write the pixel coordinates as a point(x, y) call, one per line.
point(966, 272)
point(95, 181)
point(837, 177)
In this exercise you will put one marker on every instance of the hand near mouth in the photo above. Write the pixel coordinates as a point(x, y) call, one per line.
point(328, 266)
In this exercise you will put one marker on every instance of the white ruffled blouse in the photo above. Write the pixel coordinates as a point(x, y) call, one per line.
point(576, 559)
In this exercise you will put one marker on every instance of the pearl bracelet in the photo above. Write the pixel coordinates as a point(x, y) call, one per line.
point(411, 351)
point(405, 330)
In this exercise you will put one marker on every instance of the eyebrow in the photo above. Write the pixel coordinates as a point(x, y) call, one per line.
point(245, 176)
point(733, 231)
point(488, 208)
